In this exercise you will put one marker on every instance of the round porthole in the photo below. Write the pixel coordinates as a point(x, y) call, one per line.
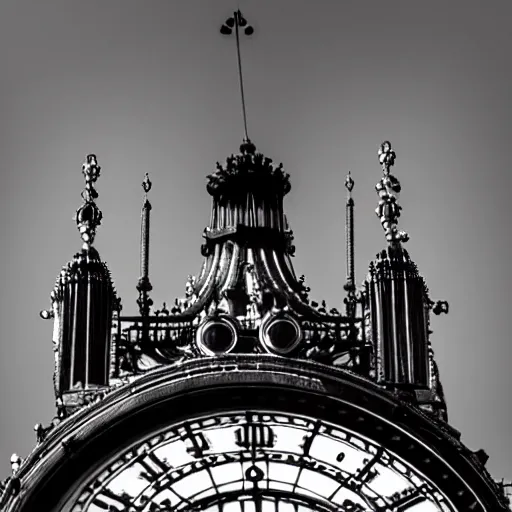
point(280, 334)
point(217, 336)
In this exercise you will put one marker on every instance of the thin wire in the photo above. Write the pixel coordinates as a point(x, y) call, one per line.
point(240, 76)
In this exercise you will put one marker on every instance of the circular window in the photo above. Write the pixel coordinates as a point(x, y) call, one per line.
point(280, 334)
point(216, 336)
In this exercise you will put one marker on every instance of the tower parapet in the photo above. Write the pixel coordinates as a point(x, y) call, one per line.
point(247, 297)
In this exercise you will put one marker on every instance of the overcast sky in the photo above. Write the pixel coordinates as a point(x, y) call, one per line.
point(152, 87)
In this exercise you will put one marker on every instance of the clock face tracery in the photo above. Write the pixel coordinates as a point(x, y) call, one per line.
point(258, 461)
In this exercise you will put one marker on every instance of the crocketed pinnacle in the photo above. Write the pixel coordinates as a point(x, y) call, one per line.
point(88, 216)
point(388, 189)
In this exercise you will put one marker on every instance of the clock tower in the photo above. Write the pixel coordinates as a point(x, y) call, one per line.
point(246, 395)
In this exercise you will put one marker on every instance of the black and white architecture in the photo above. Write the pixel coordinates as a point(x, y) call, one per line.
point(246, 395)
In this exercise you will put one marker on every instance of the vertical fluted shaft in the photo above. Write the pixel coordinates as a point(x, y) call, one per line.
point(349, 236)
point(83, 303)
point(397, 301)
point(144, 239)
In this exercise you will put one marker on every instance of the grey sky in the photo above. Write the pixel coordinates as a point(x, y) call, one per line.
point(152, 86)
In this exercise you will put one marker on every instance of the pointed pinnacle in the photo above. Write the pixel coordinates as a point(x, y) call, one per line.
point(349, 182)
point(146, 184)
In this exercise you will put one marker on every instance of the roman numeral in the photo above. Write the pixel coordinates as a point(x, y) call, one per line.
point(255, 435)
point(153, 466)
point(356, 482)
point(112, 502)
point(367, 474)
point(197, 443)
point(153, 507)
point(406, 499)
point(364, 476)
point(308, 438)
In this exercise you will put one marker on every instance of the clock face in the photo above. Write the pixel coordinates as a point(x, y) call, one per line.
point(251, 434)
point(257, 461)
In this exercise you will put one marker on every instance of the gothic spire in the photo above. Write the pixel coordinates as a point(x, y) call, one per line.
point(397, 296)
point(83, 302)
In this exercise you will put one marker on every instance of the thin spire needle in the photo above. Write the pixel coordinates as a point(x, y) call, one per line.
point(238, 21)
point(349, 241)
point(240, 75)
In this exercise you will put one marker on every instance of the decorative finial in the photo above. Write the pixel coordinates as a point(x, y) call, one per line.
point(146, 185)
point(15, 463)
point(388, 189)
point(41, 432)
point(349, 183)
point(247, 147)
point(144, 285)
point(440, 307)
point(88, 216)
point(237, 18)
point(237, 21)
point(46, 314)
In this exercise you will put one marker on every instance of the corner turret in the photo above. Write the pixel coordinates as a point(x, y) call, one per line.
point(397, 297)
point(83, 302)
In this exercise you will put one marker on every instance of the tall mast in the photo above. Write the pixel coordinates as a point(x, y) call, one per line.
point(350, 286)
point(238, 21)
